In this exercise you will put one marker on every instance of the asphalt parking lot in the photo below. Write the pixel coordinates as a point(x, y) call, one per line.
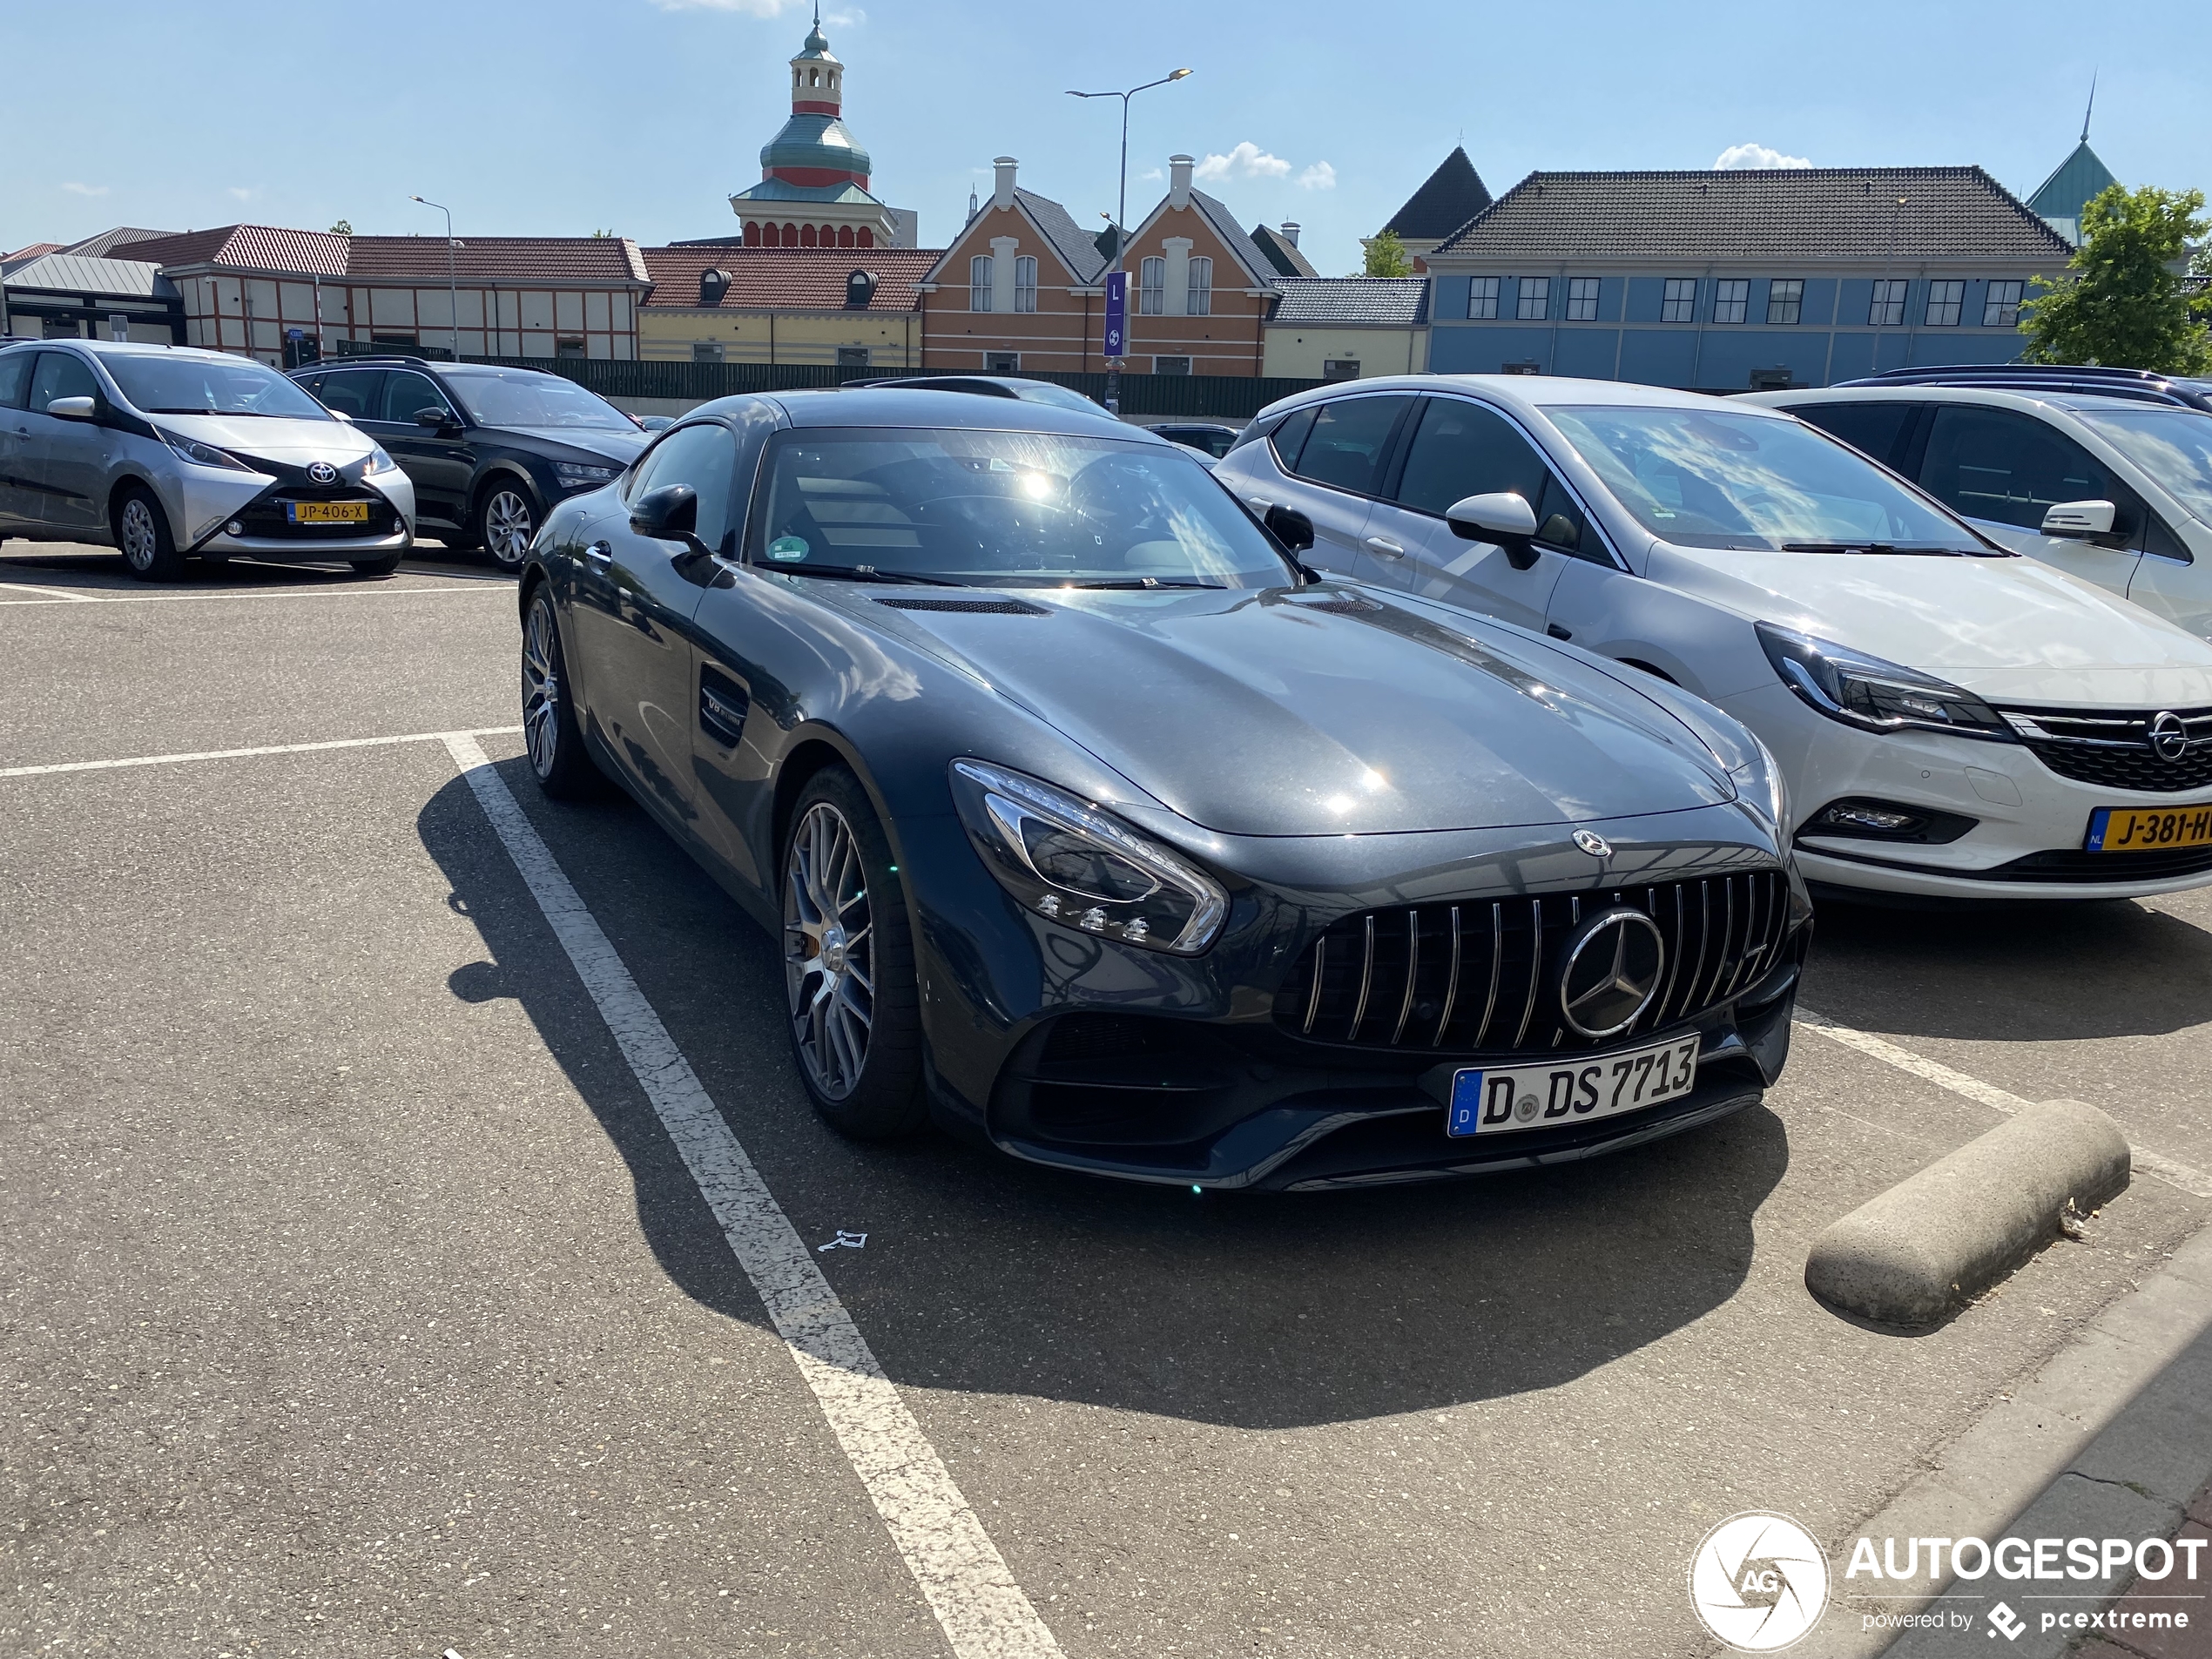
point(357, 1302)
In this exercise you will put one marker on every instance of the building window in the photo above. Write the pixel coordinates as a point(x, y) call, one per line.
point(851, 356)
point(1945, 299)
point(1001, 362)
point(1197, 291)
point(1152, 288)
point(1887, 309)
point(1785, 299)
point(1482, 297)
point(1535, 301)
point(979, 283)
point(1581, 298)
point(1171, 365)
point(706, 351)
point(1340, 369)
point(2000, 307)
point(567, 347)
point(1680, 303)
point(1025, 283)
point(1731, 299)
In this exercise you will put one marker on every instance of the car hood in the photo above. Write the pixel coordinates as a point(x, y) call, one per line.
point(2010, 630)
point(621, 447)
point(1326, 711)
point(296, 442)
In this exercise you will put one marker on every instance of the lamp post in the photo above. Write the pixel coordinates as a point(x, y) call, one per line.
point(453, 286)
point(1121, 218)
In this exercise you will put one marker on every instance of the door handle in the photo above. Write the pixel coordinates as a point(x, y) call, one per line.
point(1385, 546)
point(599, 553)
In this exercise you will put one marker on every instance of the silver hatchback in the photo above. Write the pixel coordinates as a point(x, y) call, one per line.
point(170, 452)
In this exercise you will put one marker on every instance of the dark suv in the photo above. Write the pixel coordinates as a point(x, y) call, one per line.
point(490, 449)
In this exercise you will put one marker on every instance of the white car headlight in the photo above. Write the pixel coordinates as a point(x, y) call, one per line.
point(1069, 862)
point(378, 464)
point(200, 454)
point(1873, 695)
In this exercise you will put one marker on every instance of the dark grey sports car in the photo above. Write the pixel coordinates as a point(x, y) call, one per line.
point(1095, 827)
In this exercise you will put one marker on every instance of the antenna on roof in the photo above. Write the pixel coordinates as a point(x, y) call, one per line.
point(2092, 110)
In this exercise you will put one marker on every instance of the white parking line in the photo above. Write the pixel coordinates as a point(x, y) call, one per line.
point(241, 754)
point(2170, 1171)
point(357, 591)
point(983, 1611)
point(53, 595)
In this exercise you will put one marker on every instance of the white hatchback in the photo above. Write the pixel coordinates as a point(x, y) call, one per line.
point(1954, 720)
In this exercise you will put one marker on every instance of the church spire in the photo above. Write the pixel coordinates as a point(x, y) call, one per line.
point(2086, 114)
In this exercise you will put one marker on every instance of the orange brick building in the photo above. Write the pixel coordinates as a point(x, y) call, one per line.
point(1022, 287)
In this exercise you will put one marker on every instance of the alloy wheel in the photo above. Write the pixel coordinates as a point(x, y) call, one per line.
point(829, 950)
point(141, 541)
point(506, 527)
point(541, 689)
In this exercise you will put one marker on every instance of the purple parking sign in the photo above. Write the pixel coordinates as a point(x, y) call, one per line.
point(1116, 312)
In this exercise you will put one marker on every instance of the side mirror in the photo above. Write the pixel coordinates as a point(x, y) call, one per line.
point(2078, 521)
point(74, 409)
point(1502, 517)
point(1291, 528)
point(437, 419)
point(668, 514)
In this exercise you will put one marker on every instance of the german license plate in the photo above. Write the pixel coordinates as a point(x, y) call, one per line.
point(1496, 1100)
point(327, 512)
point(2133, 829)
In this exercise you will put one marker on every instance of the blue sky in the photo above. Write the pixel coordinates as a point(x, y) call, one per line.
point(641, 116)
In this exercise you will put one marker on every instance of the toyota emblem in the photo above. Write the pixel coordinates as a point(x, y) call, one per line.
point(1594, 844)
point(323, 473)
point(2169, 739)
point(1611, 972)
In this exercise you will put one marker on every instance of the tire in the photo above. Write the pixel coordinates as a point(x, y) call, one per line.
point(142, 532)
point(558, 759)
point(853, 1008)
point(505, 519)
point(384, 566)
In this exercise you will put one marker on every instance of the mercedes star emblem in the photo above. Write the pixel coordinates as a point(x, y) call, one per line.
point(1611, 972)
point(2168, 737)
point(323, 473)
point(1596, 845)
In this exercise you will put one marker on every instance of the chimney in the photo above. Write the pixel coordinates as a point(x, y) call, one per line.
point(1178, 181)
point(1003, 191)
point(1289, 231)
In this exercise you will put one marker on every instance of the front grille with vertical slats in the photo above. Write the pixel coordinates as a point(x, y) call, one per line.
point(1480, 976)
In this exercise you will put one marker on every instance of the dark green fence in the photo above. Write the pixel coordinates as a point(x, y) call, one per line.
point(1220, 397)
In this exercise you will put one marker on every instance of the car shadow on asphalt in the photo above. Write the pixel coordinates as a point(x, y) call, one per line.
point(75, 568)
point(984, 1275)
point(2109, 969)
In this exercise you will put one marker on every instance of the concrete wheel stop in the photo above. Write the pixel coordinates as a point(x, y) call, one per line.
point(1918, 1253)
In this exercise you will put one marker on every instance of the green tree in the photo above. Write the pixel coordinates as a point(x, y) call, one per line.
point(2122, 301)
point(343, 227)
point(1386, 256)
point(603, 236)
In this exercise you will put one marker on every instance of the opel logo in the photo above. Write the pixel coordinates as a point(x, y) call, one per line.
point(1596, 845)
point(1611, 972)
point(323, 473)
point(2168, 737)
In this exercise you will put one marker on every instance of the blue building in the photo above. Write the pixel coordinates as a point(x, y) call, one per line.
point(1724, 282)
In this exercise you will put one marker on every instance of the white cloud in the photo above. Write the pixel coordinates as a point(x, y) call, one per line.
point(1247, 160)
point(76, 189)
point(851, 17)
point(1320, 176)
point(751, 8)
point(1739, 157)
point(240, 192)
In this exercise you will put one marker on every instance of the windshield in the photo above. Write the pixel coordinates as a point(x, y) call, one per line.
point(531, 399)
point(1718, 479)
point(1007, 508)
point(176, 385)
point(2174, 446)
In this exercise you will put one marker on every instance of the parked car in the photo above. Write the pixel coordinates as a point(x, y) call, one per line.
point(167, 453)
point(1094, 824)
point(1211, 439)
point(1955, 721)
point(654, 423)
point(2117, 489)
point(489, 448)
point(991, 386)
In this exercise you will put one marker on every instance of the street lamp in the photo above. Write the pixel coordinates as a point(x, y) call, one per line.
point(1121, 218)
point(453, 286)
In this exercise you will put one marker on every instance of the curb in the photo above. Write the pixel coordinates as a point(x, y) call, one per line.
point(1913, 1256)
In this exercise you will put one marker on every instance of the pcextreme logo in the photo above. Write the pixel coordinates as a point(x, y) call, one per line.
point(1759, 1582)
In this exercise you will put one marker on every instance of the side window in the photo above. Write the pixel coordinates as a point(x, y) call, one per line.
point(60, 375)
point(1463, 449)
point(705, 457)
point(15, 377)
point(353, 392)
point(1870, 429)
point(2010, 469)
point(1344, 449)
point(405, 392)
point(1289, 438)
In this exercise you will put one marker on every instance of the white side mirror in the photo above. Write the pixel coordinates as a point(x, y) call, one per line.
point(2078, 521)
point(1502, 517)
point(73, 408)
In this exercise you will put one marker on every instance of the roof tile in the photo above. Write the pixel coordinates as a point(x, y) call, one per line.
point(786, 279)
point(1389, 302)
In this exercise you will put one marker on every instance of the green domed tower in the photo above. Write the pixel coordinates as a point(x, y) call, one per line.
point(814, 189)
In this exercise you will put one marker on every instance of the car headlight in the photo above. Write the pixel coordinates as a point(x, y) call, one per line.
point(1875, 696)
point(575, 475)
point(378, 463)
point(1067, 861)
point(200, 454)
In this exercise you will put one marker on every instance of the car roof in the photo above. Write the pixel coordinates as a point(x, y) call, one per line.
point(1998, 397)
point(913, 406)
point(141, 348)
point(1528, 394)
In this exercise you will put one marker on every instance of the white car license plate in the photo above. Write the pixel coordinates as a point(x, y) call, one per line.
point(1497, 1099)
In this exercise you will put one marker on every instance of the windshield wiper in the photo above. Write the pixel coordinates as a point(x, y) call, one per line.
point(1865, 547)
point(1138, 583)
point(866, 573)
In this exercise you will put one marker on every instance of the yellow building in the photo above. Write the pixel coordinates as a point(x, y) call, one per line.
point(851, 307)
point(1344, 328)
